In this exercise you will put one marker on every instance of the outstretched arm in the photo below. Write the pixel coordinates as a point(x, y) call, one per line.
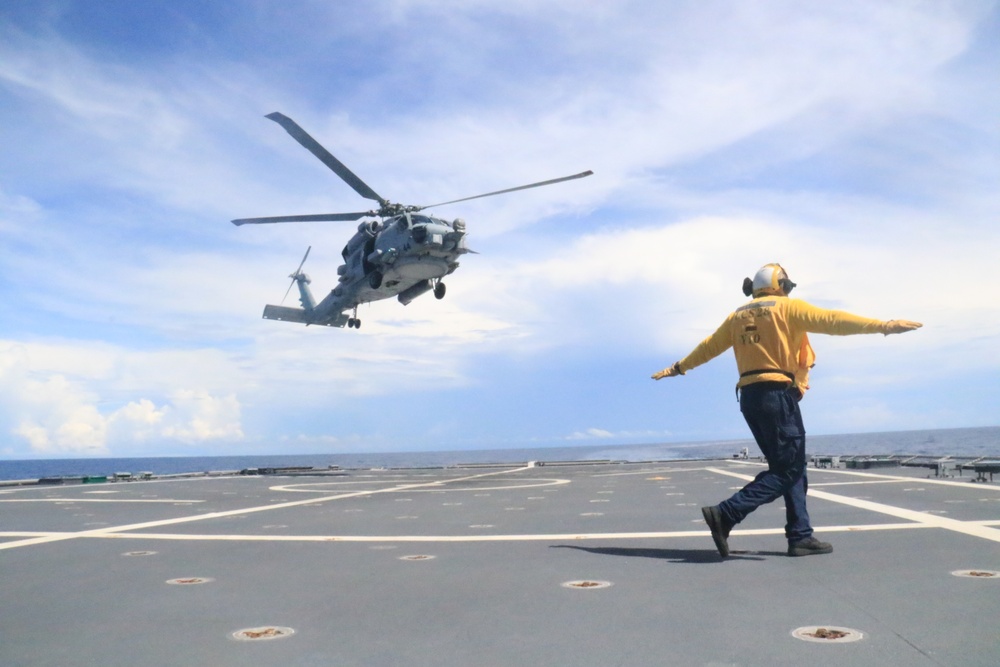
point(707, 350)
point(841, 323)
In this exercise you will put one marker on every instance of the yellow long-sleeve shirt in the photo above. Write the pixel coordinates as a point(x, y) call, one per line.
point(769, 337)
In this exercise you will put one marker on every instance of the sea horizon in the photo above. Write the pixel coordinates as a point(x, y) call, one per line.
point(957, 442)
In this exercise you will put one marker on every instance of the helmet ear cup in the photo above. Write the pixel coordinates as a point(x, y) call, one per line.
point(786, 285)
point(747, 286)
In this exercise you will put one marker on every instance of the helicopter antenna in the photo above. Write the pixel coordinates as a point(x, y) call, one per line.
point(326, 157)
point(582, 174)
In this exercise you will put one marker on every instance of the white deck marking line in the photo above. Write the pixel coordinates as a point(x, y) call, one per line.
point(965, 527)
point(860, 482)
point(967, 484)
point(647, 471)
point(537, 483)
point(194, 537)
point(110, 531)
point(96, 500)
point(538, 537)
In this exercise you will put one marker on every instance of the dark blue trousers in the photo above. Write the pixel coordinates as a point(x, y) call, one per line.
point(771, 410)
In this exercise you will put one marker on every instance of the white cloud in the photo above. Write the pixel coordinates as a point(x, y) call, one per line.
point(196, 416)
point(590, 434)
point(59, 403)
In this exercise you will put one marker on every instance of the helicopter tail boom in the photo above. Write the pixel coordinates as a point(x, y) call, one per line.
point(301, 316)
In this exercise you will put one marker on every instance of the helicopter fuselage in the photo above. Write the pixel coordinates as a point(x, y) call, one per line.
point(404, 257)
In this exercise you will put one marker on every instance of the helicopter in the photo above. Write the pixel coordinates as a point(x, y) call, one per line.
point(401, 253)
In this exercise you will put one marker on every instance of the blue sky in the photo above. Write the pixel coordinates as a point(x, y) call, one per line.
point(857, 143)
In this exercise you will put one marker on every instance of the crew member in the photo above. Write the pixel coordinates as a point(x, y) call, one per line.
point(773, 355)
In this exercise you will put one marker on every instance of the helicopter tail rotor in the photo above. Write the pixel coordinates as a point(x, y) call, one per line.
point(298, 276)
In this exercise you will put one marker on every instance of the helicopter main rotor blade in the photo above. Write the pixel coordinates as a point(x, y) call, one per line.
point(520, 187)
point(325, 156)
point(319, 217)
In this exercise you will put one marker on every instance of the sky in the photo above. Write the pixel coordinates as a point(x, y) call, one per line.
point(857, 143)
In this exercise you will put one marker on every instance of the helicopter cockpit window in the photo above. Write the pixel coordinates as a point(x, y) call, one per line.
point(420, 233)
point(403, 223)
point(420, 219)
point(344, 253)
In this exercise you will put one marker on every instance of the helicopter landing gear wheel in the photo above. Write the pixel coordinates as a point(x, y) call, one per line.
point(439, 291)
point(375, 280)
point(353, 323)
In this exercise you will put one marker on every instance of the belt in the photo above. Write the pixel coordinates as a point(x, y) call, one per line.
point(763, 371)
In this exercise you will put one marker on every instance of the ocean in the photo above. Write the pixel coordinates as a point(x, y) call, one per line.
point(962, 442)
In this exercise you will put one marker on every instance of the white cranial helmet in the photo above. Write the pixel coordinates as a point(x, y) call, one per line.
point(770, 279)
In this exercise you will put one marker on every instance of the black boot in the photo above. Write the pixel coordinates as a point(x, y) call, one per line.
point(720, 528)
point(809, 547)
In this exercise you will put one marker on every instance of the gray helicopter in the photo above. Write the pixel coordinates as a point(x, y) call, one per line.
point(402, 254)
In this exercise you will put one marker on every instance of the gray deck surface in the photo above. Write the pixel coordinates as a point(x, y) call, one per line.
point(324, 557)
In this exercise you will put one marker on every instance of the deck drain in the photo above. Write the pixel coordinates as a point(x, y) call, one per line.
point(417, 557)
point(587, 584)
point(263, 633)
point(827, 634)
point(189, 581)
point(977, 574)
point(138, 553)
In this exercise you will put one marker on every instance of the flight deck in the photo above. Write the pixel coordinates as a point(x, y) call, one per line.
point(536, 564)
